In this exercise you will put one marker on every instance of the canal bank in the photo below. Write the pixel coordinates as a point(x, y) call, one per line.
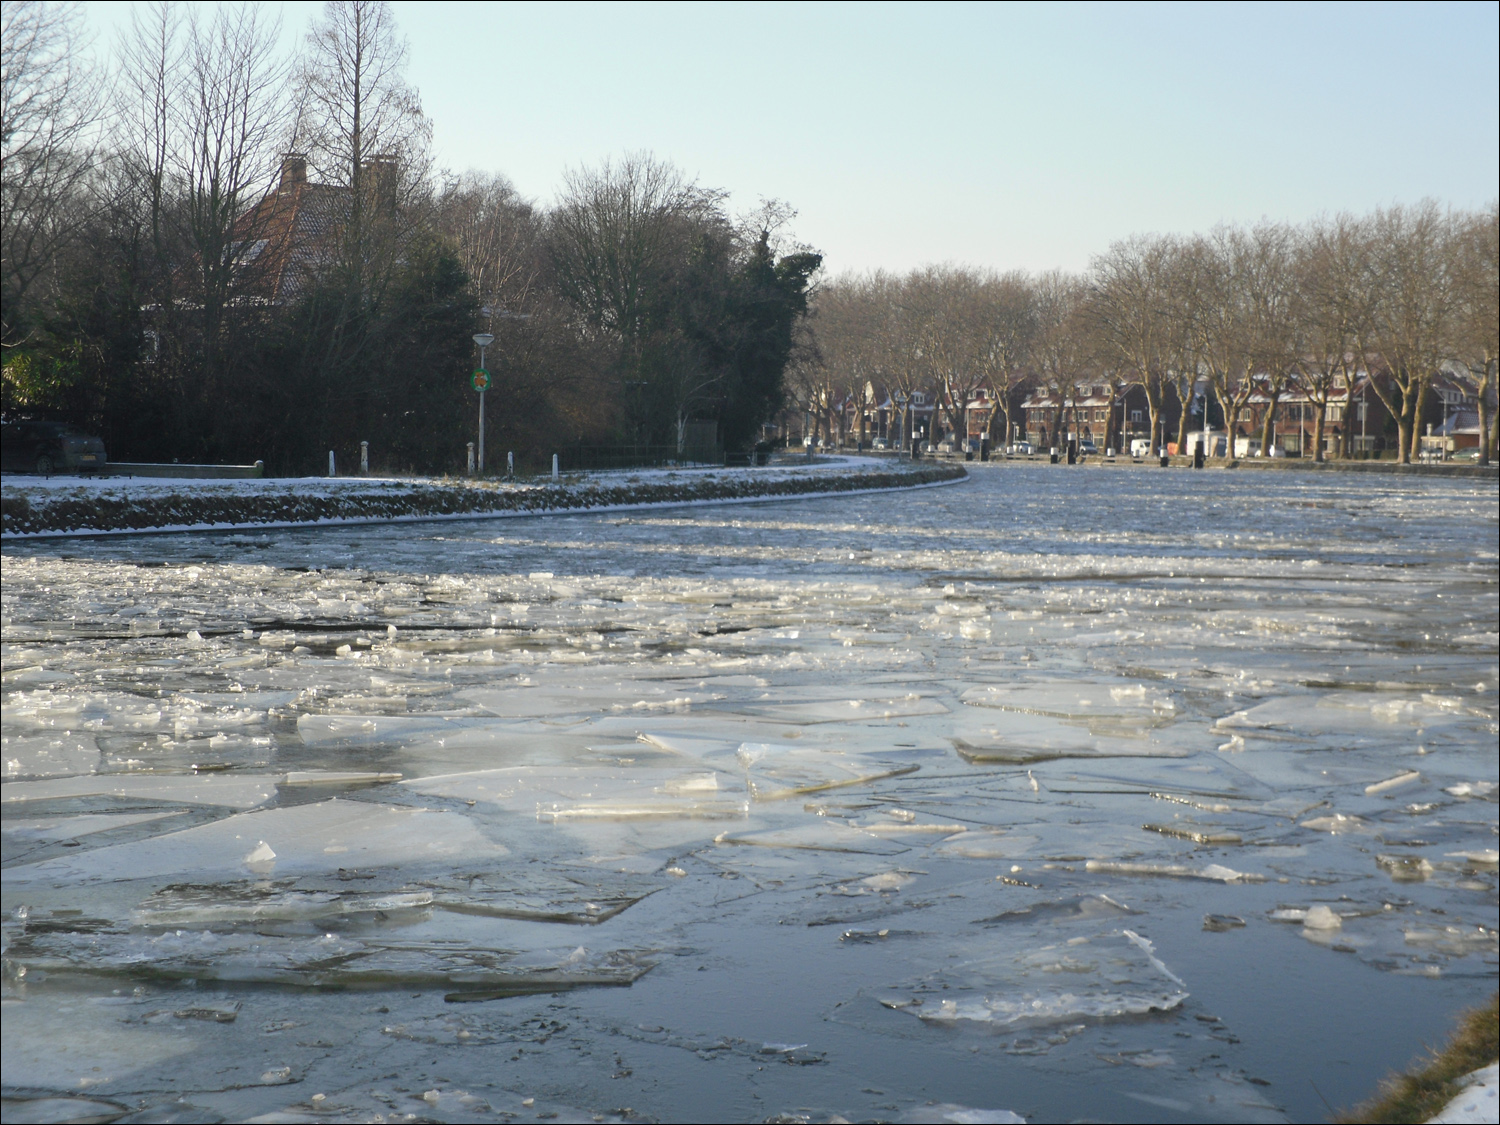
point(35, 507)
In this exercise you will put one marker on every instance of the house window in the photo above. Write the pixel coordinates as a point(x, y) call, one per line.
point(1135, 416)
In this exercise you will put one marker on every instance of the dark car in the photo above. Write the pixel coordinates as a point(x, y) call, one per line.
point(49, 447)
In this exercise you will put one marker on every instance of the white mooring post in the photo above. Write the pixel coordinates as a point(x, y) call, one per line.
point(330, 463)
point(364, 458)
point(471, 458)
point(510, 465)
point(554, 466)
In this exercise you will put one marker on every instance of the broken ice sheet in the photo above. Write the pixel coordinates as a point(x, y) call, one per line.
point(584, 793)
point(48, 755)
point(819, 835)
point(71, 827)
point(332, 960)
point(235, 791)
point(321, 837)
point(1103, 977)
point(775, 771)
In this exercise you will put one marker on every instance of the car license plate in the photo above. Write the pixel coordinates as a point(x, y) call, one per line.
point(90, 457)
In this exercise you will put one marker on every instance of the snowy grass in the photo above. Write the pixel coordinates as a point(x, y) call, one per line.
point(57, 506)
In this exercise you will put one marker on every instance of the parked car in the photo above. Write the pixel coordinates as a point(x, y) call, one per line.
point(1021, 449)
point(1088, 448)
point(49, 447)
point(880, 444)
point(946, 447)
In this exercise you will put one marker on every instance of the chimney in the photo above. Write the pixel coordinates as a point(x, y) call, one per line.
point(293, 171)
point(382, 181)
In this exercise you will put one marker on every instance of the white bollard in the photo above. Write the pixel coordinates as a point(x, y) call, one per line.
point(471, 458)
point(510, 465)
point(330, 463)
point(364, 458)
point(554, 466)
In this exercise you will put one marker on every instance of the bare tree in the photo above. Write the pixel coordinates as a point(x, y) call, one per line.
point(495, 233)
point(1412, 302)
point(355, 101)
point(49, 104)
point(1129, 307)
point(1005, 327)
point(1332, 261)
point(1476, 249)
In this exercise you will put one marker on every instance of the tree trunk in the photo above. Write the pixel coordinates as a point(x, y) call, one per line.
point(1486, 423)
point(1318, 420)
point(1182, 428)
point(1411, 414)
point(1268, 423)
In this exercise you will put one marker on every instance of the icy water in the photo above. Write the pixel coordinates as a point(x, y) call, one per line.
point(1077, 794)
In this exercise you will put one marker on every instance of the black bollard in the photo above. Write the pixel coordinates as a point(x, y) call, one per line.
point(1198, 456)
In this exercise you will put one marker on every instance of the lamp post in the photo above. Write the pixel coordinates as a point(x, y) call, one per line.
point(482, 384)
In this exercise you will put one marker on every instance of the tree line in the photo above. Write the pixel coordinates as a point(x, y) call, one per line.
point(216, 252)
point(1396, 296)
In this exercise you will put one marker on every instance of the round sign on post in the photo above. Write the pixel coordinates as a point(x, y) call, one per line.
point(481, 380)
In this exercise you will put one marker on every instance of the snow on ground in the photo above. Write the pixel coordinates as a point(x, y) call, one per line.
point(1479, 1104)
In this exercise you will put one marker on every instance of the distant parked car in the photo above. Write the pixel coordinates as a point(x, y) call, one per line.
point(946, 447)
point(1140, 447)
point(49, 447)
point(880, 443)
point(1086, 446)
point(1021, 449)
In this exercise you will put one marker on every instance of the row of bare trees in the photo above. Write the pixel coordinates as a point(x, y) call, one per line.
point(141, 195)
point(1399, 295)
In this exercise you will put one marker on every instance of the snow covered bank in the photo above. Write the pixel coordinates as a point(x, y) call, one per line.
point(37, 507)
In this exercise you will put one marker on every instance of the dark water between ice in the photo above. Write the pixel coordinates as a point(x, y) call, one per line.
point(877, 807)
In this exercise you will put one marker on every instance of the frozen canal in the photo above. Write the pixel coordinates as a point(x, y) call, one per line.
point(1127, 795)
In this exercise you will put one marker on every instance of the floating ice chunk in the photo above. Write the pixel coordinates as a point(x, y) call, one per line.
point(1336, 823)
point(335, 778)
point(332, 961)
point(775, 772)
point(823, 835)
point(1109, 976)
point(235, 791)
point(1145, 946)
point(1471, 789)
point(1222, 923)
point(1215, 872)
point(988, 844)
point(322, 837)
point(218, 904)
point(1486, 857)
point(1186, 832)
point(1405, 868)
point(584, 793)
point(49, 755)
point(71, 827)
point(1086, 908)
point(1405, 777)
point(1321, 917)
point(63, 1111)
point(260, 859)
point(940, 1112)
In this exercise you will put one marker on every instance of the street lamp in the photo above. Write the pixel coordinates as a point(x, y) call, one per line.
point(482, 384)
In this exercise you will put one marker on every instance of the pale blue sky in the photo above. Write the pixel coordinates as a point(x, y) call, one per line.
point(998, 135)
